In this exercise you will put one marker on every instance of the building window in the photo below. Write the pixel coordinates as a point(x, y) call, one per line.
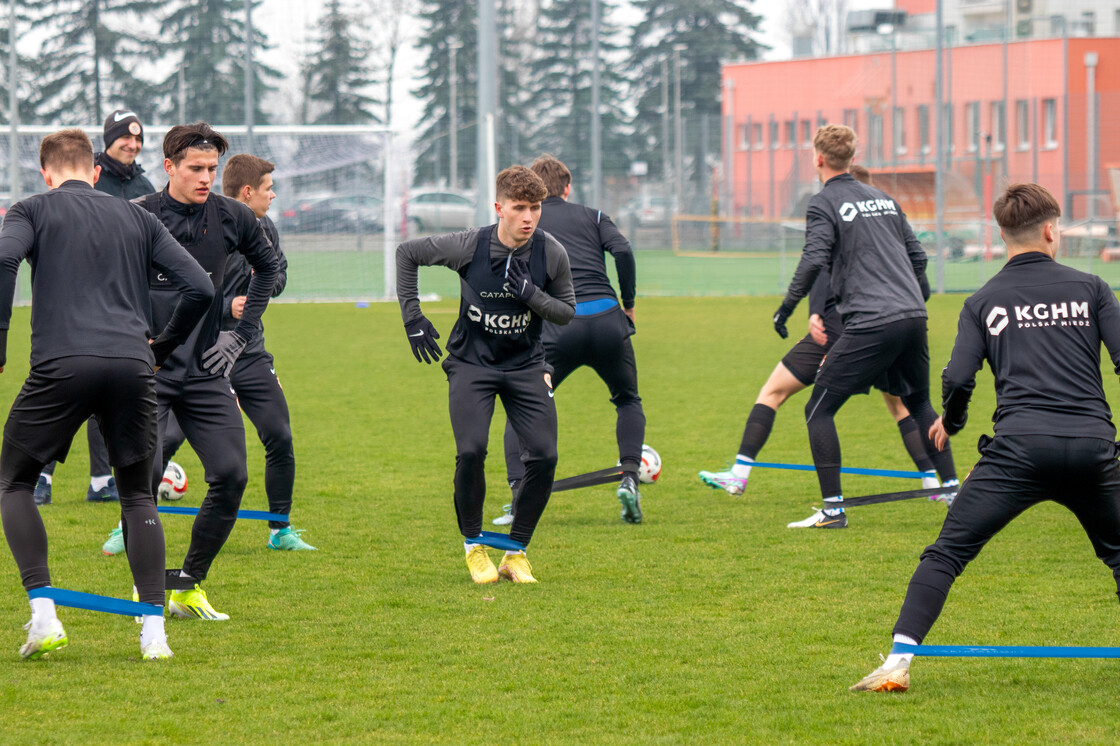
point(1023, 124)
point(851, 119)
point(791, 133)
point(756, 135)
point(875, 139)
point(898, 131)
point(744, 136)
point(774, 136)
point(806, 133)
point(972, 125)
point(1049, 123)
point(947, 122)
point(821, 121)
point(999, 127)
point(923, 129)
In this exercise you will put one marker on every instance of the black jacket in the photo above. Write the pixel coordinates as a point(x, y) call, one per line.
point(587, 234)
point(120, 180)
point(862, 235)
point(236, 283)
point(1039, 325)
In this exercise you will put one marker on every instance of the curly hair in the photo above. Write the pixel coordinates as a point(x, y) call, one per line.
point(521, 185)
point(837, 143)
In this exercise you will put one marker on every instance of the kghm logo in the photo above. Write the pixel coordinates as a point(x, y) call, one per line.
point(1036, 315)
point(997, 320)
point(869, 208)
point(848, 212)
point(500, 323)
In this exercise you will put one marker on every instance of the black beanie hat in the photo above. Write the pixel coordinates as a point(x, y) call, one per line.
point(120, 123)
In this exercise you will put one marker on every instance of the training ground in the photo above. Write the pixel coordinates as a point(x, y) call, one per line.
point(711, 622)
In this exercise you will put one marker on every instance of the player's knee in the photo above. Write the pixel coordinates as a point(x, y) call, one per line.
point(277, 440)
point(471, 458)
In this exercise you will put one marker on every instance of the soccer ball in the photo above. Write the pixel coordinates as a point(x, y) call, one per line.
point(650, 468)
point(174, 483)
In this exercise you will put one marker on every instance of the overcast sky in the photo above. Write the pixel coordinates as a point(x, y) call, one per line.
point(287, 23)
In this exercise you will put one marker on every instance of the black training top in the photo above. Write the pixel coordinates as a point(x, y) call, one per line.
point(1039, 325)
point(587, 235)
point(862, 235)
point(211, 232)
point(238, 275)
point(90, 256)
point(120, 180)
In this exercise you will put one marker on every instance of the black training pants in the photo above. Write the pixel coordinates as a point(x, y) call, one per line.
point(602, 343)
point(98, 453)
point(262, 399)
point(206, 410)
point(58, 396)
point(527, 398)
point(1014, 473)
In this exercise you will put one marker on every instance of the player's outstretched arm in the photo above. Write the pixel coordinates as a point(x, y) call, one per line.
point(556, 301)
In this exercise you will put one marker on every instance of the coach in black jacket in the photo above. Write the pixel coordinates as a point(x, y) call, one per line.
point(876, 262)
point(121, 175)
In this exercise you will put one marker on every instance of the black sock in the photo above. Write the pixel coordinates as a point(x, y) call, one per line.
point(759, 424)
point(912, 439)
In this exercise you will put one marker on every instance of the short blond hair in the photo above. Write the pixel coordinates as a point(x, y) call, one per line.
point(837, 143)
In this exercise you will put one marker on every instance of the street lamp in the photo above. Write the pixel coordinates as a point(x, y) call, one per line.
point(453, 47)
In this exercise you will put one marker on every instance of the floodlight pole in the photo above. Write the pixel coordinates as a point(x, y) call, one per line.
point(13, 107)
point(596, 117)
point(249, 72)
point(487, 108)
point(453, 48)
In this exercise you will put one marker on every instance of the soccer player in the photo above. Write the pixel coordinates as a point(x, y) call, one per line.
point(90, 355)
point(797, 371)
point(599, 335)
point(248, 179)
point(194, 382)
point(513, 277)
point(120, 176)
point(1039, 325)
point(876, 262)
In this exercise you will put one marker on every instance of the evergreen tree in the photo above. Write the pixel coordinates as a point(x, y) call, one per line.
point(87, 63)
point(710, 32)
point(562, 81)
point(208, 45)
point(446, 22)
point(338, 71)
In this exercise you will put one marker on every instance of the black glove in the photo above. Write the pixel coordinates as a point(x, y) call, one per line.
point(520, 282)
point(923, 284)
point(162, 349)
point(221, 357)
point(422, 336)
point(780, 317)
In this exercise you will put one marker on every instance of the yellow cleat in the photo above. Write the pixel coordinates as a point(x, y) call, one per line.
point(193, 604)
point(481, 566)
point(43, 640)
point(516, 567)
point(883, 679)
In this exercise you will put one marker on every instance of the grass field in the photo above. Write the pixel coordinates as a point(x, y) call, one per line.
point(711, 622)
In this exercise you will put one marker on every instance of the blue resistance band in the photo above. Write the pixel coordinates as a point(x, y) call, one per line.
point(92, 602)
point(592, 307)
point(851, 470)
point(1005, 651)
point(498, 541)
point(252, 515)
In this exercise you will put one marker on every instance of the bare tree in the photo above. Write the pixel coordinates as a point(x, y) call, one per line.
point(391, 29)
point(821, 22)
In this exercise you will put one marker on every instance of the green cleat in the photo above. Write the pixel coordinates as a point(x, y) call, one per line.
point(193, 604)
point(288, 540)
point(115, 543)
point(40, 642)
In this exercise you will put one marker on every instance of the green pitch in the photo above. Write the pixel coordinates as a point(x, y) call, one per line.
point(709, 623)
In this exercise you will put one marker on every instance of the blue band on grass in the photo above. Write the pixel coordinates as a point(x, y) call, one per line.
point(498, 541)
point(252, 515)
point(851, 470)
point(92, 602)
point(591, 307)
point(1005, 651)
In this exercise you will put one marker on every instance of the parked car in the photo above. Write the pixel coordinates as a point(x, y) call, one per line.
point(440, 211)
point(335, 213)
point(648, 211)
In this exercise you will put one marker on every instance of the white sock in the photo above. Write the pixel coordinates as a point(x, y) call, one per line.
point(468, 546)
point(929, 483)
point(742, 467)
point(832, 506)
point(153, 629)
point(512, 553)
point(47, 477)
point(894, 658)
point(274, 531)
point(97, 483)
point(42, 611)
